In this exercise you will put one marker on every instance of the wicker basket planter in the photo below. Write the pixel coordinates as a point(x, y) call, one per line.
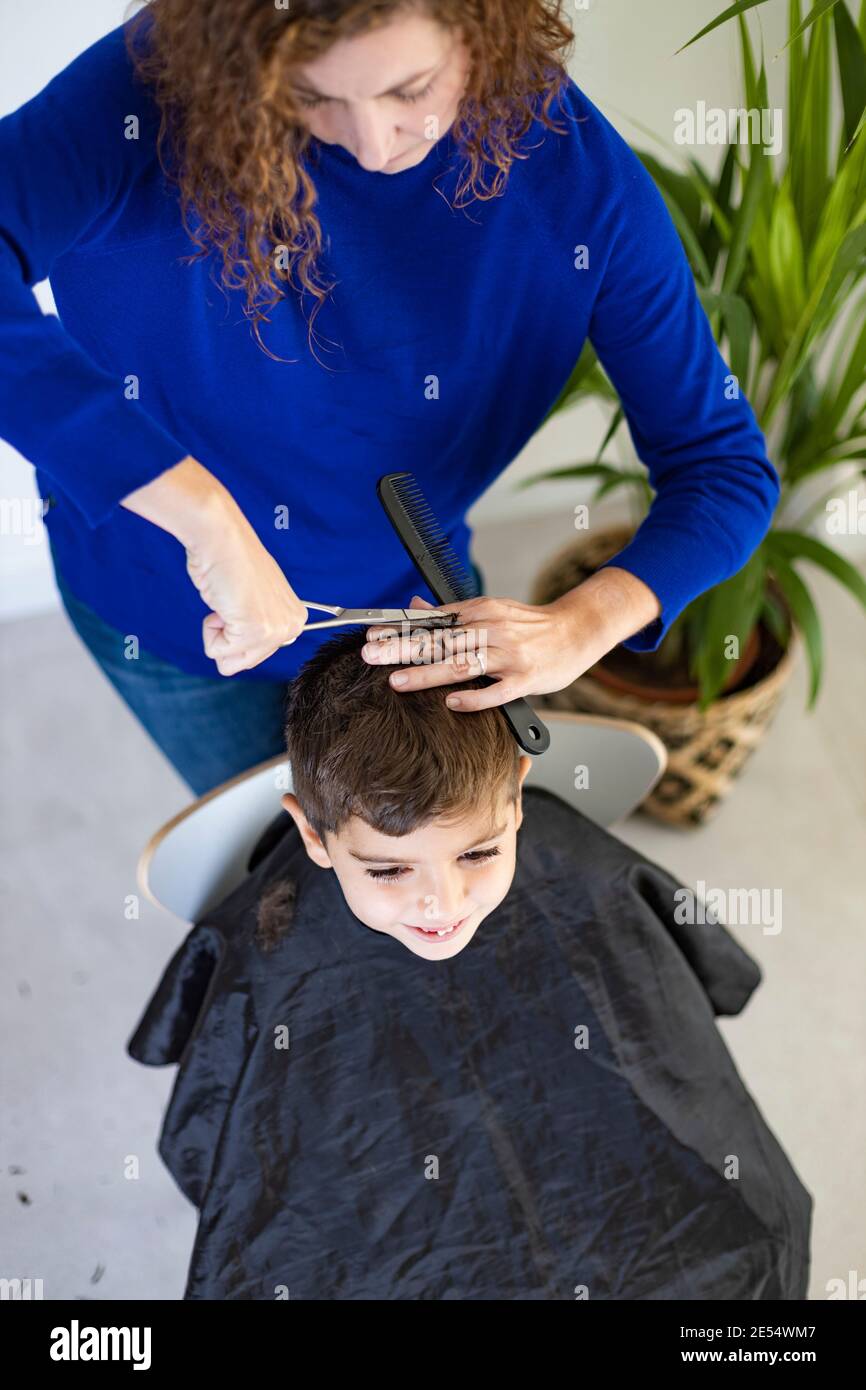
point(706, 750)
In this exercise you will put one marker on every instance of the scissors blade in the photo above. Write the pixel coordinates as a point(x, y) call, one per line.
point(389, 617)
point(417, 617)
point(374, 615)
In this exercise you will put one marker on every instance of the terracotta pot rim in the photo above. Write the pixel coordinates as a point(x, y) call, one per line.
point(683, 694)
point(728, 702)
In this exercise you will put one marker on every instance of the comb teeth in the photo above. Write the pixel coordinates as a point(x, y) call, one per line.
point(415, 523)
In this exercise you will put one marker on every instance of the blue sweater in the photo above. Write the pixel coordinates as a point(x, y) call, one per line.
point(487, 299)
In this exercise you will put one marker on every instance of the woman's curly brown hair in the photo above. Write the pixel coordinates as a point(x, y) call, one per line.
point(232, 136)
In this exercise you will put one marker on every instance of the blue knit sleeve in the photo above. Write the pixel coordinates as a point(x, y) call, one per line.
point(690, 423)
point(65, 169)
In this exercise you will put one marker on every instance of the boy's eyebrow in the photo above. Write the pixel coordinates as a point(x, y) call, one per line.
point(407, 82)
point(389, 859)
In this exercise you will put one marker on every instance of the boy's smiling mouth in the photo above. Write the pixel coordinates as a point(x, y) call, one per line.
point(435, 934)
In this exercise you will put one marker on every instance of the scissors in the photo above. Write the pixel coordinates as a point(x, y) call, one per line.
point(418, 617)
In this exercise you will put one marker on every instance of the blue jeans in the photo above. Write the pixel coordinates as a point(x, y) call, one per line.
point(210, 728)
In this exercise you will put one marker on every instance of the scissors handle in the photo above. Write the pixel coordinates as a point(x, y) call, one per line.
point(323, 607)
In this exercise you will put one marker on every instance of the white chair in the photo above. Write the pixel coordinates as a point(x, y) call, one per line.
point(199, 856)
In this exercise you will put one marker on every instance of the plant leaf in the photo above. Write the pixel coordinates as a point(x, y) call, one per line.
point(587, 379)
point(732, 610)
point(810, 153)
point(794, 545)
point(718, 199)
point(806, 618)
point(795, 57)
point(679, 186)
point(570, 470)
point(850, 256)
point(837, 399)
point(756, 181)
point(622, 476)
point(776, 619)
point(804, 403)
point(616, 421)
point(739, 326)
point(785, 254)
point(820, 308)
point(844, 209)
point(739, 8)
point(814, 14)
point(851, 58)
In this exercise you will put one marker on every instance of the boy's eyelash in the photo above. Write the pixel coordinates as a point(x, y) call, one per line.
point(415, 96)
point(475, 856)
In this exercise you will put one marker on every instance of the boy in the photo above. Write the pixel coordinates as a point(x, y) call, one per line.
point(417, 817)
point(535, 1105)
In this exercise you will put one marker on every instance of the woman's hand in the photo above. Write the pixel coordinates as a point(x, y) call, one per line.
point(529, 650)
point(255, 609)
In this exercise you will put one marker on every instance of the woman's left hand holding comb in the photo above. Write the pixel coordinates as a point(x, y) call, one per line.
point(528, 649)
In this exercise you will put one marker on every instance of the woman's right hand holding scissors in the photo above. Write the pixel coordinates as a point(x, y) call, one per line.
point(254, 609)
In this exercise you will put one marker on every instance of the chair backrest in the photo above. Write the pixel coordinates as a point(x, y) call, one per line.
point(602, 767)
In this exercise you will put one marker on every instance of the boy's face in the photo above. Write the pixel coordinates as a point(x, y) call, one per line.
point(413, 887)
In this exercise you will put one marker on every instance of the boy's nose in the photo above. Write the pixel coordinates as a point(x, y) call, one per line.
point(444, 909)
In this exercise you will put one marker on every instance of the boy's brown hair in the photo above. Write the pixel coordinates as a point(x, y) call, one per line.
point(358, 747)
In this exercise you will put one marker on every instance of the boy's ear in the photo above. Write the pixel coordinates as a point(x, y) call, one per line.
point(312, 843)
point(525, 765)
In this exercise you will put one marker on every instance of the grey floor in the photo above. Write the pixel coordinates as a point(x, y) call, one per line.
point(86, 1205)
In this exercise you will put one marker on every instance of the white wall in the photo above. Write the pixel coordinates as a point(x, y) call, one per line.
point(37, 40)
point(624, 60)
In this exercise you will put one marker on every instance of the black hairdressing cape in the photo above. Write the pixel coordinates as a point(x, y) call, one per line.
point(439, 1130)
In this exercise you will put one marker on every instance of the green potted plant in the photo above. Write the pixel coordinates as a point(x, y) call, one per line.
point(779, 256)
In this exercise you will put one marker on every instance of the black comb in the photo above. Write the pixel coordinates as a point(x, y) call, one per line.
point(431, 553)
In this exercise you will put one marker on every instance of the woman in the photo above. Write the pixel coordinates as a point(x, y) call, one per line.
point(293, 249)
